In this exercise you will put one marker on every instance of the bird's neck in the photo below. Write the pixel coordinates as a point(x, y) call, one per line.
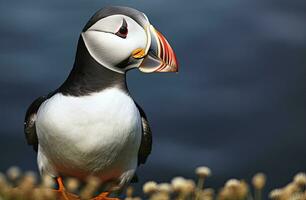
point(88, 76)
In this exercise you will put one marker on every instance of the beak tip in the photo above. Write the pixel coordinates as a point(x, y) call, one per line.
point(161, 57)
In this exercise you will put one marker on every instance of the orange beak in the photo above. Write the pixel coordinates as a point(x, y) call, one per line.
point(159, 55)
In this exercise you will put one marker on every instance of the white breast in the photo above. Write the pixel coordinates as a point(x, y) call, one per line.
point(97, 134)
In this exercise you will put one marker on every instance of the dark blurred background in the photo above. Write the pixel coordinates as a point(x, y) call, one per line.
point(238, 104)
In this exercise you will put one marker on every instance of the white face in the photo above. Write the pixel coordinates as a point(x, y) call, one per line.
point(112, 40)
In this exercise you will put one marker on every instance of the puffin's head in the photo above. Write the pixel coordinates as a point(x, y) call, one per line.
point(122, 38)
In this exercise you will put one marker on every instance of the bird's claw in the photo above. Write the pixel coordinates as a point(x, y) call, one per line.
point(103, 196)
point(64, 195)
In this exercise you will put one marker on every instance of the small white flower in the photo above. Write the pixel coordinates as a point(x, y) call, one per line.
point(13, 173)
point(165, 187)
point(203, 171)
point(72, 184)
point(300, 179)
point(275, 194)
point(47, 181)
point(178, 183)
point(149, 187)
point(259, 181)
point(232, 183)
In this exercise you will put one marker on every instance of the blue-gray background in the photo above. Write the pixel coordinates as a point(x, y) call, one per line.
point(238, 104)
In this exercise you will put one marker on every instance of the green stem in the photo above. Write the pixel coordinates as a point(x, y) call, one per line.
point(200, 187)
point(257, 195)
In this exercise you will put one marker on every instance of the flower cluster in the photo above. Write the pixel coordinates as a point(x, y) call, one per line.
point(292, 191)
point(18, 185)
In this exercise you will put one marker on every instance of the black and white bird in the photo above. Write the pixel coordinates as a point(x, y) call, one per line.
point(90, 125)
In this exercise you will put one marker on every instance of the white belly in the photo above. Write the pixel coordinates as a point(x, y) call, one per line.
point(96, 135)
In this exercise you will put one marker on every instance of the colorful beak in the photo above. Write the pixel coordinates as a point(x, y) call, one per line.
point(158, 55)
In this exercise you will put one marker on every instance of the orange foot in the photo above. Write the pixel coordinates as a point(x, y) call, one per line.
point(103, 196)
point(62, 194)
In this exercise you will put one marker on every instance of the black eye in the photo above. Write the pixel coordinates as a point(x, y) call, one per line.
point(123, 30)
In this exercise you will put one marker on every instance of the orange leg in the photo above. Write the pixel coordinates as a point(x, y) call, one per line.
point(62, 193)
point(103, 196)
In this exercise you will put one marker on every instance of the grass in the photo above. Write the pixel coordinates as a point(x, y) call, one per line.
point(18, 185)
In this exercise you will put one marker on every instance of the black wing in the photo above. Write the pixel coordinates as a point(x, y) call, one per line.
point(146, 139)
point(30, 119)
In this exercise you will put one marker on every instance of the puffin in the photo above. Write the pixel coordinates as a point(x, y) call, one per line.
point(90, 125)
